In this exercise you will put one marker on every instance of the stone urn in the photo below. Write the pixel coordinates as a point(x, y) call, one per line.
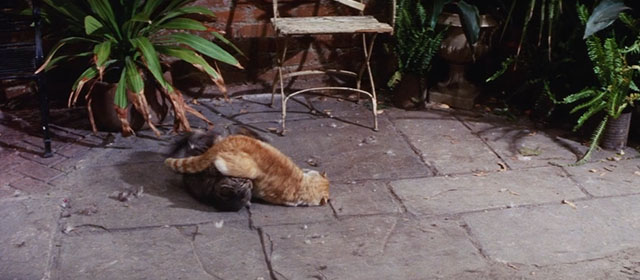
point(457, 91)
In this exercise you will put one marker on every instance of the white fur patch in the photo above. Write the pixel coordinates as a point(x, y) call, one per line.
point(221, 165)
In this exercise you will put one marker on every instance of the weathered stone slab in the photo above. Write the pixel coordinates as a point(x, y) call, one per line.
point(372, 248)
point(348, 149)
point(231, 251)
point(449, 146)
point(363, 198)
point(257, 108)
point(608, 178)
point(446, 195)
point(266, 214)
point(558, 233)
point(163, 200)
point(428, 114)
point(26, 234)
point(161, 253)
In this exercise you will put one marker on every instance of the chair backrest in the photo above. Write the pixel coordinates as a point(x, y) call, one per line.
point(358, 5)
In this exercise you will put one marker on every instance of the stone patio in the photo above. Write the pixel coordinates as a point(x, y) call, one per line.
point(435, 194)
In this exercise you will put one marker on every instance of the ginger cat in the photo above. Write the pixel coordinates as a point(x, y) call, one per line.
point(276, 178)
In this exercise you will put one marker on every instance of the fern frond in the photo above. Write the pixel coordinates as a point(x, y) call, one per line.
point(595, 140)
point(588, 103)
point(592, 111)
point(585, 93)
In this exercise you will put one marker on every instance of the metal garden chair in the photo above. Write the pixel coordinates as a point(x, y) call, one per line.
point(367, 26)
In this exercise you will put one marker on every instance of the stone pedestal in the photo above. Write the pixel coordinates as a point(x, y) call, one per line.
point(457, 91)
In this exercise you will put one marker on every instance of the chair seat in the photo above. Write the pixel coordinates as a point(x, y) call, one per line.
point(329, 25)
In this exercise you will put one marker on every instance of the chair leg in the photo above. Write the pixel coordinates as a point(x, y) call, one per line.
point(368, 49)
point(283, 98)
point(44, 117)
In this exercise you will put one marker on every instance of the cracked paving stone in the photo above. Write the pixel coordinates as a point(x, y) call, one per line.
point(558, 233)
point(231, 251)
point(449, 146)
point(608, 178)
point(447, 195)
point(160, 253)
point(345, 153)
point(164, 201)
point(26, 233)
point(367, 198)
point(371, 248)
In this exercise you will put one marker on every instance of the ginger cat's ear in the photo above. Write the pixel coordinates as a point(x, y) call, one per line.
point(323, 174)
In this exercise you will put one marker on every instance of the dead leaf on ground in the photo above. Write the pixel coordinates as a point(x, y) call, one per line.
point(608, 169)
point(593, 170)
point(479, 173)
point(503, 167)
point(637, 173)
point(243, 111)
point(312, 162)
point(272, 129)
point(526, 151)
point(564, 201)
point(512, 266)
point(509, 191)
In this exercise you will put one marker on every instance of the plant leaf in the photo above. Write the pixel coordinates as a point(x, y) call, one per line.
point(102, 52)
point(227, 42)
point(604, 15)
point(88, 74)
point(57, 47)
point(103, 9)
point(151, 60)
point(436, 10)
point(470, 19)
point(121, 91)
point(184, 23)
point(197, 61)
point(91, 24)
point(205, 47)
point(134, 80)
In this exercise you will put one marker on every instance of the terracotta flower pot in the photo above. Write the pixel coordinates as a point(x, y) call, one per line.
point(103, 109)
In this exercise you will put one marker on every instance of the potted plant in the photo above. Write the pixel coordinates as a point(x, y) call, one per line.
point(614, 70)
point(127, 42)
point(415, 43)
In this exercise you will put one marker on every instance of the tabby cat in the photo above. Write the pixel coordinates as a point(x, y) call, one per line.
point(276, 178)
point(209, 186)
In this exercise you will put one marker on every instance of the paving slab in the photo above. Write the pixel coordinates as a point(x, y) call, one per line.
point(162, 202)
point(231, 251)
point(349, 149)
point(267, 214)
point(26, 234)
point(449, 146)
point(608, 178)
point(363, 198)
point(465, 193)
point(161, 253)
point(257, 108)
point(558, 233)
point(371, 248)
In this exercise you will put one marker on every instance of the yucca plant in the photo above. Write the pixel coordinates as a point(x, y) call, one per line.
point(132, 38)
point(614, 72)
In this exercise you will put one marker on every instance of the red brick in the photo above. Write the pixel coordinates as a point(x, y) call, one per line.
point(37, 171)
point(31, 186)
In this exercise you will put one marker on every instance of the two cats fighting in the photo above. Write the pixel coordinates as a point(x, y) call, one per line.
point(274, 176)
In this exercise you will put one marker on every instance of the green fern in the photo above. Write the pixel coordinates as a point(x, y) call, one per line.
point(416, 42)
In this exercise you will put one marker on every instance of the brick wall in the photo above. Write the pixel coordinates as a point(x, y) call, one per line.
point(247, 24)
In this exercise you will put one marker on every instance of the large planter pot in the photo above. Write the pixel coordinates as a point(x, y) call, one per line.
point(408, 92)
point(457, 91)
point(616, 133)
point(104, 115)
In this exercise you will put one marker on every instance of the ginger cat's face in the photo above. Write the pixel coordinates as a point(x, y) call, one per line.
point(321, 191)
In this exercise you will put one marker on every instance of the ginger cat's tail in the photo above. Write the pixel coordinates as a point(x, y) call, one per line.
point(193, 164)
